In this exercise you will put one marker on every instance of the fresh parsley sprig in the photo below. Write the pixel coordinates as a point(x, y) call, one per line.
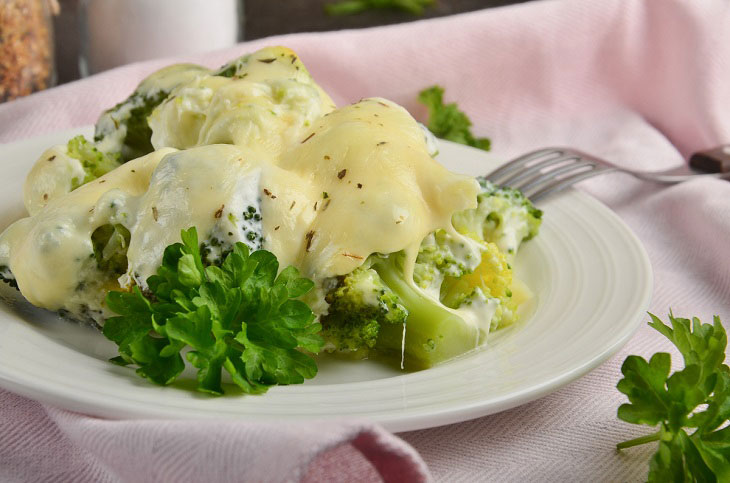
point(447, 121)
point(350, 7)
point(690, 406)
point(240, 317)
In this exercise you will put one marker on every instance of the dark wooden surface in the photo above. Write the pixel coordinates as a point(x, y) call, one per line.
point(264, 18)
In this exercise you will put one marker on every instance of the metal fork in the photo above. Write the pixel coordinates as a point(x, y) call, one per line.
point(549, 170)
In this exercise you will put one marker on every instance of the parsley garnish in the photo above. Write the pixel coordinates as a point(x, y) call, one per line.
point(447, 121)
point(350, 7)
point(696, 398)
point(239, 317)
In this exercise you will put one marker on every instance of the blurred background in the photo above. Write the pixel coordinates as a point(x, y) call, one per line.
point(48, 42)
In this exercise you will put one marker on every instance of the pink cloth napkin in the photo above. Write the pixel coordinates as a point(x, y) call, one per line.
point(640, 82)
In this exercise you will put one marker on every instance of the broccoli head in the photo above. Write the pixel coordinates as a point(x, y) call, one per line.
point(110, 242)
point(460, 291)
point(488, 286)
point(95, 163)
point(359, 305)
point(443, 255)
point(503, 216)
point(123, 130)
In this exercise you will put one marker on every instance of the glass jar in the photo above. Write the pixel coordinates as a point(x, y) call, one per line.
point(26, 47)
point(118, 32)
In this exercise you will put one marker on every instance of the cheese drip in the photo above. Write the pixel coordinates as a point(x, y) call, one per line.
point(379, 189)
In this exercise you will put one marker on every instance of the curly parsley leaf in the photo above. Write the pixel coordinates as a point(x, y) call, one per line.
point(240, 318)
point(351, 7)
point(447, 121)
point(690, 406)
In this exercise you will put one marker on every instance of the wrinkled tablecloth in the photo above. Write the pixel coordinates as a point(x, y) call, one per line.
point(643, 83)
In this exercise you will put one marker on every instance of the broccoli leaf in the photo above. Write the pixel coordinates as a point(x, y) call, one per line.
point(240, 317)
point(447, 121)
point(695, 398)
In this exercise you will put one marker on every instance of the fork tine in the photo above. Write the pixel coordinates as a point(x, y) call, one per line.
point(542, 177)
point(539, 192)
point(529, 173)
point(519, 162)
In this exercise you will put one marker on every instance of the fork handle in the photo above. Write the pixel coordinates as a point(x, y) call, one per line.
point(715, 160)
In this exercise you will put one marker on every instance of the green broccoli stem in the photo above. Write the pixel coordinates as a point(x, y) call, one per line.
point(433, 333)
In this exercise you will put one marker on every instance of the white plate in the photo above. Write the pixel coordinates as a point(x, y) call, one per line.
point(590, 274)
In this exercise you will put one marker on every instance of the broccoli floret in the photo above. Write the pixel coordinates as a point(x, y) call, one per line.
point(233, 226)
point(433, 332)
point(503, 216)
point(460, 291)
point(94, 162)
point(110, 244)
point(368, 308)
point(123, 130)
point(489, 283)
point(359, 305)
point(441, 255)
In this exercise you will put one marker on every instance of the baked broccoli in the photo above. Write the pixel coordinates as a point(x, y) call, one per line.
point(110, 242)
point(503, 216)
point(359, 305)
point(458, 292)
point(124, 129)
point(442, 255)
point(461, 287)
point(233, 226)
point(433, 332)
point(94, 162)
point(488, 288)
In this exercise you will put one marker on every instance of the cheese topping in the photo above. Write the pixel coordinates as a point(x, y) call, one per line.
point(111, 128)
point(269, 101)
point(52, 176)
point(51, 254)
point(359, 181)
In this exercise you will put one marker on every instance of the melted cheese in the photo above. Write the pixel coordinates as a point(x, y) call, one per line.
point(51, 177)
point(111, 128)
point(51, 254)
point(55, 173)
point(359, 181)
point(271, 101)
point(384, 193)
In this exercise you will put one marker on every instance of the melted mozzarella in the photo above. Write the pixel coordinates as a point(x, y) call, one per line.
point(51, 254)
point(271, 101)
point(212, 188)
point(359, 181)
point(379, 190)
point(55, 173)
point(111, 127)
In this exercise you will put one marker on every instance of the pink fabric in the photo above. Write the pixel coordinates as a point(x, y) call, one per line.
point(640, 82)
